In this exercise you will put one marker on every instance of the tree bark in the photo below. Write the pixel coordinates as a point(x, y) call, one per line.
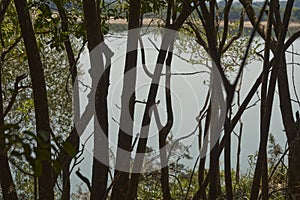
point(146, 121)
point(141, 148)
point(7, 184)
point(163, 133)
point(40, 98)
point(95, 38)
point(6, 180)
point(127, 104)
point(73, 71)
point(284, 95)
point(291, 131)
point(261, 168)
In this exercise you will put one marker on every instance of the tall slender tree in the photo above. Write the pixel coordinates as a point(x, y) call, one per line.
point(167, 40)
point(95, 38)
point(73, 70)
point(45, 181)
point(127, 104)
point(6, 180)
point(278, 47)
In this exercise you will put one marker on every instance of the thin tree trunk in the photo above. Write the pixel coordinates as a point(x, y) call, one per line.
point(291, 131)
point(265, 75)
point(238, 155)
point(67, 41)
point(73, 71)
point(284, 95)
point(227, 160)
point(40, 98)
point(163, 130)
point(203, 154)
point(215, 130)
point(7, 184)
point(293, 170)
point(163, 133)
point(6, 180)
point(261, 168)
point(214, 171)
point(235, 120)
point(128, 103)
point(166, 41)
point(214, 176)
point(147, 118)
point(214, 186)
point(95, 37)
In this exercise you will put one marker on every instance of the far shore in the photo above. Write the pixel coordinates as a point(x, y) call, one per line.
point(155, 21)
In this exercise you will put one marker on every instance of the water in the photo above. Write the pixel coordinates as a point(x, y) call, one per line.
point(188, 94)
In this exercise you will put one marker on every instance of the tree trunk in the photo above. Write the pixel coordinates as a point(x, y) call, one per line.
point(99, 93)
point(291, 132)
point(73, 71)
point(293, 170)
point(40, 98)
point(6, 180)
point(121, 177)
point(141, 148)
point(285, 98)
point(147, 119)
point(163, 133)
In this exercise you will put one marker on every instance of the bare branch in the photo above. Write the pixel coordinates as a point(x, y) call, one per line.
point(15, 93)
point(84, 179)
point(237, 35)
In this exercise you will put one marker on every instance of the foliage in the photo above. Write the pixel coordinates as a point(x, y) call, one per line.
point(21, 140)
point(236, 9)
point(182, 178)
point(19, 134)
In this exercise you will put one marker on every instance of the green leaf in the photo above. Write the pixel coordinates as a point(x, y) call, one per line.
point(33, 135)
point(42, 154)
point(69, 148)
point(27, 150)
point(6, 127)
point(38, 168)
point(57, 166)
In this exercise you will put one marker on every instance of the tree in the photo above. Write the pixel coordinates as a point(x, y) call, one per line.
point(128, 103)
point(278, 47)
point(6, 180)
point(39, 137)
point(40, 100)
point(43, 155)
point(95, 37)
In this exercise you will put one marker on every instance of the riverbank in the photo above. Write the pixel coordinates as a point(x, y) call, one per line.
point(153, 22)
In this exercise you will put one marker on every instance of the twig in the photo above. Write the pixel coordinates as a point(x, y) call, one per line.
point(20, 168)
point(4, 53)
point(15, 93)
point(191, 178)
point(277, 164)
point(84, 179)
point(293, 76)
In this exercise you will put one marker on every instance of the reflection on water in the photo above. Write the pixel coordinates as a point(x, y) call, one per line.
point(189, 92)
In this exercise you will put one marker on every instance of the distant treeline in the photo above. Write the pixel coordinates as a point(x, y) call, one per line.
point(236, 9)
